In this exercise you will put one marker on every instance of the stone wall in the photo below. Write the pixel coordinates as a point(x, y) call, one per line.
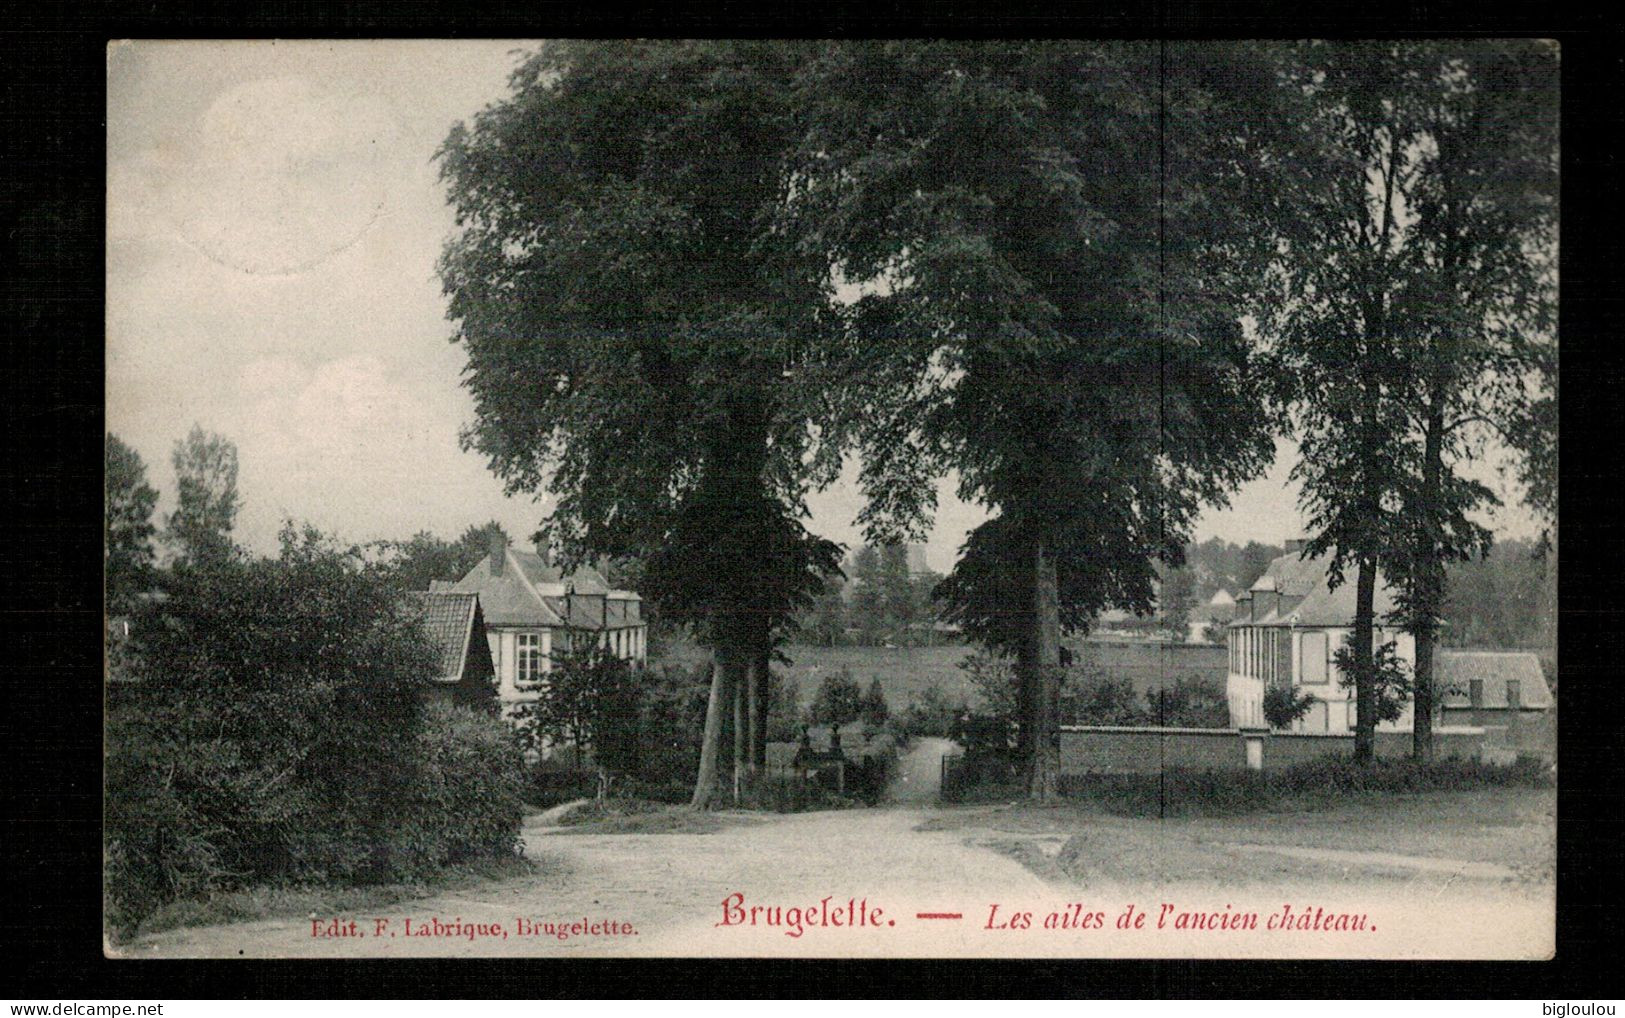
point(1101, 749)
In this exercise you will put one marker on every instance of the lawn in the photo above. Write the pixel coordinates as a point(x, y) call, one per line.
point(1507, 835)
point(906, 672)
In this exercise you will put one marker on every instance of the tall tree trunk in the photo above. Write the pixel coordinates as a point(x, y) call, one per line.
point(740, 681)
point(753, 713)
point(1026, 693)
point(705, 784)
point(1430, 582)
point(764, 689)
point(1046, 756)
point(1365, 688)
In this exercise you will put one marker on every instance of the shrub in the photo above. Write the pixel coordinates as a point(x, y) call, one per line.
point(869, 777)
point(671, 722)
point(932, 714)
point(468, 801)
point(984, 778)
point(838, 701)
point(274, 731)
point(984, 735)
point(875, 709)
point(1190, 702)
point(1284, 706)
point(789, 793)
point(1098, 699)
point(547, 785)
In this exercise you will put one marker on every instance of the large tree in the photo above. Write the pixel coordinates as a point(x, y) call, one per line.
point(206, 501)
point(1051, 239)
point(1331, 322)
point(637, 329)
point(127, 551)
point(1481, 311)
point(1413, 311)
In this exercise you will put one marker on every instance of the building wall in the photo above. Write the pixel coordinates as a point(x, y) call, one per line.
point(1332, 713)
point(631, 643)
point(1528, 732)
point(1136, 750)
point(1099, 749)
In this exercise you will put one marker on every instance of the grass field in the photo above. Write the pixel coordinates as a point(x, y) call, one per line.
point(906, 672)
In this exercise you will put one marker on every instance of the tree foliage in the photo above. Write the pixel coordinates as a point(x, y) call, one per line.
point(839, 700)
point(1390, 677)
point(873, 708)
point(206, 500)
point(128, 502)
point(636, 329)
point(591, 698)
point(418, 561)
point(273, 729)
point(1414, 309)
point(1053, 238)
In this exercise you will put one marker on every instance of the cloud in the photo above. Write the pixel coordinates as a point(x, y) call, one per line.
point(277, 176)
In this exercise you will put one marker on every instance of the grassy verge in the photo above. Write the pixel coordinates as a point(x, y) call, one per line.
point(278, 901)
point(639, 816)
point(1316, 785)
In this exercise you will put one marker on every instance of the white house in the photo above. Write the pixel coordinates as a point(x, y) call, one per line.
point(1286, 630)
point(532, 609)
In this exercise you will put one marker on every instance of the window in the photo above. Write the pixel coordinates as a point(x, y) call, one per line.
point(529, 661)
point(1313, 649)
point(1514, 694)
point(1475, 692)
point(1353, 716)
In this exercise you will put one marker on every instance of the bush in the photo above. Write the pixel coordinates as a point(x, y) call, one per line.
point(869, 777)
point(932, 714)
point(468, 801)
point(546, 785)
point(838, 701)
point(981, 778)
point(274, 731)
point(1097, 699)
point(1190, 702)
point(1283, 706)
point(788, 793)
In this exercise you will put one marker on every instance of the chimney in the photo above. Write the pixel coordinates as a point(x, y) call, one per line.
point(1294, 545)
point(499, 552)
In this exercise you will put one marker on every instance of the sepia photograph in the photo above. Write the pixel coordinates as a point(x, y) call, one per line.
point(905, 498)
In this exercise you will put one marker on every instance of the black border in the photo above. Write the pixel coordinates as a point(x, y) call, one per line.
point(51, 267)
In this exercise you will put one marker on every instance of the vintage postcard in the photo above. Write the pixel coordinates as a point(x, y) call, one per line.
point(879, 499)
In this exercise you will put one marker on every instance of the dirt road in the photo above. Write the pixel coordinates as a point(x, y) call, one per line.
point(884, 873)
point(919, 771)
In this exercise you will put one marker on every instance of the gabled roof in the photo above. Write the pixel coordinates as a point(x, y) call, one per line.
point(1458, 668)
point(533, 592)
point(508, 598)
point(1221, 599)
point(448, 618)
point(1306, 596)
point(1292, 575)
point(544, 576)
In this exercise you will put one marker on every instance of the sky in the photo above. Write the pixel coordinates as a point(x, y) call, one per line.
point(274, 220)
